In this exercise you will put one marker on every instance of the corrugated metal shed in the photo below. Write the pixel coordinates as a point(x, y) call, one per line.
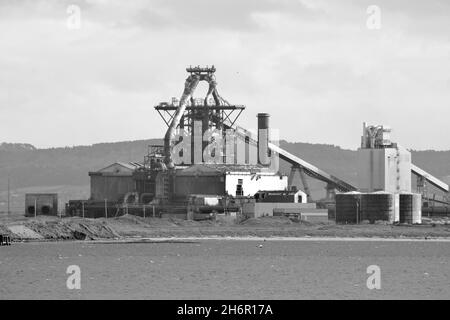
point(113, 181)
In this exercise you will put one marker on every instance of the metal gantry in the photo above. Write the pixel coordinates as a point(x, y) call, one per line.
point(225, 115)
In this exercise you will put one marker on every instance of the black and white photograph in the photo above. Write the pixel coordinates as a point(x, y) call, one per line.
point(224, 156)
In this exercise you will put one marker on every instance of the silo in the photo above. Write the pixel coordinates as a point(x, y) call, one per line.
point(410, 208)
point(348, 207)
point(379, 206)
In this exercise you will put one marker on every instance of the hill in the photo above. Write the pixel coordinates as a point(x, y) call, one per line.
point(64, 166)
point(16, 147)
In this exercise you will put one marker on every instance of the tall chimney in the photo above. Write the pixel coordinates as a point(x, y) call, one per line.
point(263, 138)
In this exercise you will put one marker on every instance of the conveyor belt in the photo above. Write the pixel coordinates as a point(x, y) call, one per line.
point(319, 174)
point(430, 178)
point(312, 170)
point(308, 168)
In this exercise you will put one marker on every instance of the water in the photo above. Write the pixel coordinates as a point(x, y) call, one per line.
point(220, 269)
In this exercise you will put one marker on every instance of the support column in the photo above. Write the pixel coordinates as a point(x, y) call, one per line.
point(331, 192)
point(291, 182)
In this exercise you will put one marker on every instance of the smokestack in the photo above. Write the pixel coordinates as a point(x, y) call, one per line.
point(263, 138)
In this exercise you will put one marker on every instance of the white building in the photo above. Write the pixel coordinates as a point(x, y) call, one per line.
point(245, 183)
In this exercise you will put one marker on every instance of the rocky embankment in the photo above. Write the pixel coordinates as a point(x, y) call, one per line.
point(132, 227)
point(58, 229)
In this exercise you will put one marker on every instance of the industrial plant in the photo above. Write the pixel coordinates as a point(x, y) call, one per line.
point(209, 166)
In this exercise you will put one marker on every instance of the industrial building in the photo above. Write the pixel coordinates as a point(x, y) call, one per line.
point(384, 183)
point(206, 155)
point(290, 203)
point(293, 196)
point(237, 168)
point(113, 181)
point(382, 164)
point(41, 204)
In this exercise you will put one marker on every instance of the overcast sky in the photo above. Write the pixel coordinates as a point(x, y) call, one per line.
point(314, 65)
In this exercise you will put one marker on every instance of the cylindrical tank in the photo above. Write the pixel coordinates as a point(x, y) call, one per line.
point(348, 207)
point(410, 208)
point(263, 138)
point(378, 206)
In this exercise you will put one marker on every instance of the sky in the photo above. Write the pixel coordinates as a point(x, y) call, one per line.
point(320, 68)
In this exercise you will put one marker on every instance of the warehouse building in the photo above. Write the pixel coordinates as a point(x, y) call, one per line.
point(226, 180)
point(113, 181)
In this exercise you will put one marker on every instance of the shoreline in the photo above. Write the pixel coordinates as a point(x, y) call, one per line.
point(136, 229)
point(238, 238)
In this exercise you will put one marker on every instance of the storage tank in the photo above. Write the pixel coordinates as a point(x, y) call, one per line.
point(348, 207)
point(379, 206)
point(410, 208)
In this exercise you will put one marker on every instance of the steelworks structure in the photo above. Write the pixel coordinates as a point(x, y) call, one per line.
point(195, 117)
point(215, 112)
point(161, 182)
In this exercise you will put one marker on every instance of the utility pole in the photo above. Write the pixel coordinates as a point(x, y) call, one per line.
point(9, 198)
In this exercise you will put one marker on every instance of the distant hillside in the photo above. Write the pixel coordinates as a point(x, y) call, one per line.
point(16, 147)
point(343, 163)
point(332, 159)
point(29, 167)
